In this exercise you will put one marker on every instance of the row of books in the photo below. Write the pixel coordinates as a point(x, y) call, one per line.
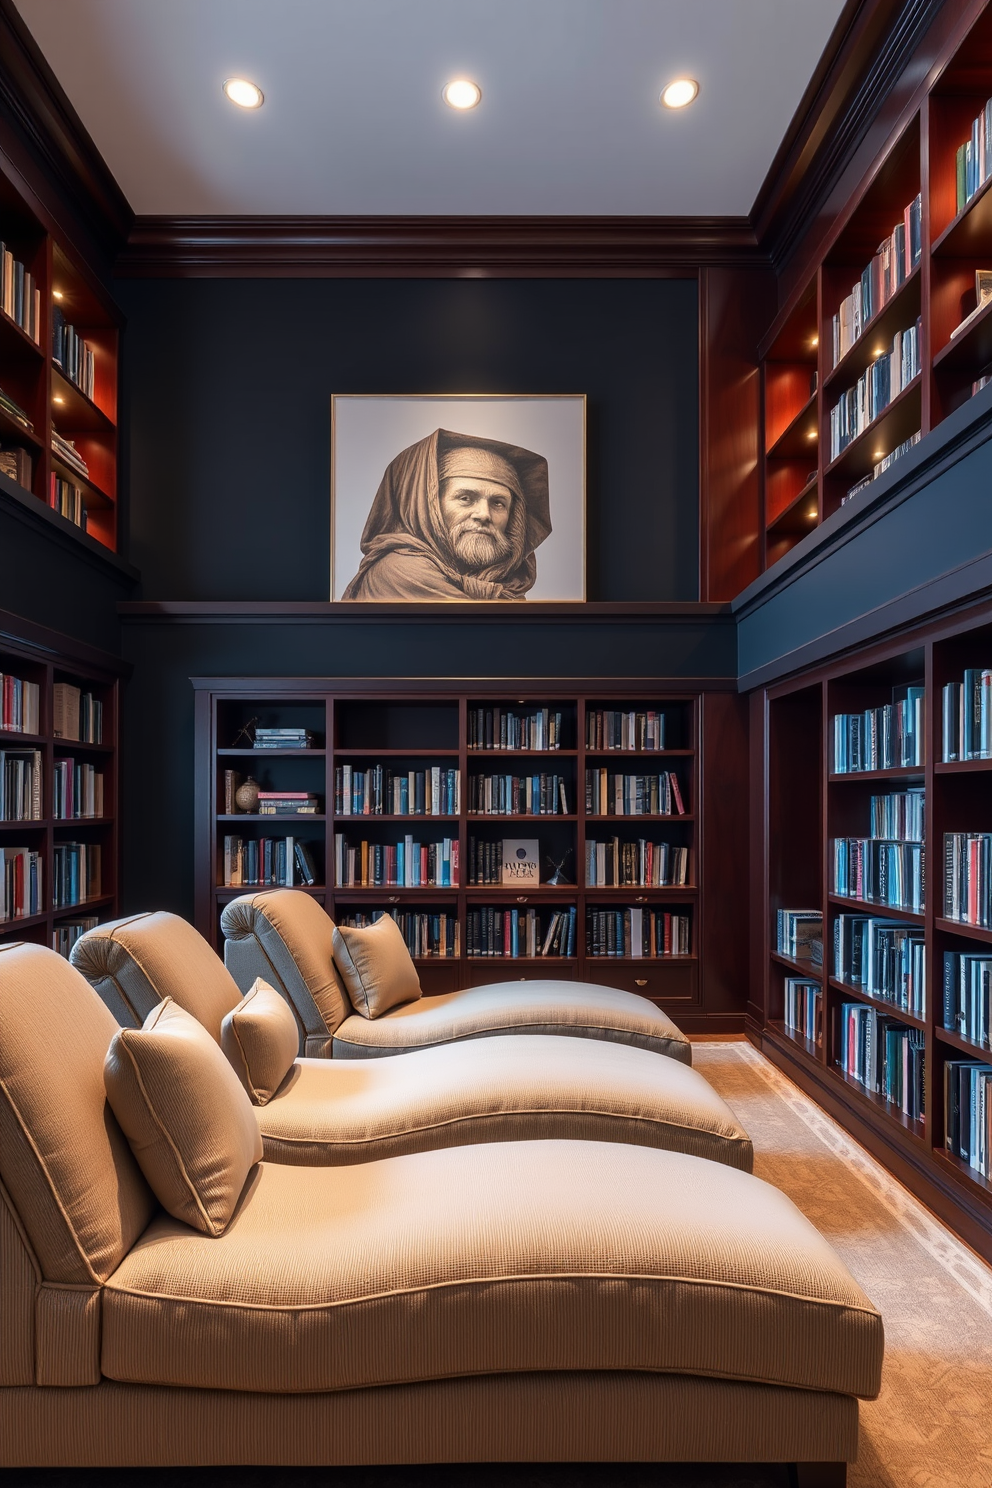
point(65, 935)
point(20, 296)
point(499, 728)
point(77, 716)
point(803, 1009)
point(281, 738)
point(637, 933)
point(21, 882)
point(633, 728)
point(494, 931)
point(967, 1008)
point(20, 785)
point(425, 934)
point(20, 705)
point(966, 716)
point(973, 159)
point(884, 1056)
point(282, 861)
point(17, 464)
point(74, 355)
point(889, 873)
point(633, 795)
point(518, 795)
point(881, 382)
point(799, 934)
point(886, 958)
point(404, 865)
point(899, 816)
point(434, 791)
point(65, 450)
point(288, 803)
point(67, 499)
point(968, 1113)
point(894, 260)
point(78, 790)
point(507, 861)
point(880, 466)
point(884, 738)
point(76, 873)
point(640, 864)
point(968, 877)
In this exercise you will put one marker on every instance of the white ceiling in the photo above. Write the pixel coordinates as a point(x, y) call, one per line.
point(353, 121)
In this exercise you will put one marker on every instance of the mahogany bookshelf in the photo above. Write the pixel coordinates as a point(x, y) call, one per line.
point(808, 805)
point(801, 484)
point(425, 723)
point(51, 402)
point(100, 676)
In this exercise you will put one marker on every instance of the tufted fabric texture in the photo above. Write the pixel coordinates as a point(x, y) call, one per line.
point(496, 1090)
point(516, 1257)
point(133, 963)
point(186, 1115)
point(576, 1009)
point(284, 936)
point(260, 1040)
point(64, 1161)
point(376, 966)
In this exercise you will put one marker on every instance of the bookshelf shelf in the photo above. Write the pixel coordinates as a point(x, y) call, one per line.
point(799, 436)
point(804, 969)
point(805, 808)
point(896, 422)
point(12, 337)
point(95, 495)
point(429, 723)
point(45, 667)
point(796, 519)
point(898, 312)
point(304, 817)
point(223, 894)
point(896, 772)
point(808, 1047)
point(72, 408)
point(11, 429)
point(969, 232)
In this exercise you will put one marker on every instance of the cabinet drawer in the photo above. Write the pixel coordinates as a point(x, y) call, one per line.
point(674, 982)
point(481, 973)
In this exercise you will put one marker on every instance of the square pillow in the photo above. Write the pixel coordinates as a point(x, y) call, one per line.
point(375, 966)
point(261, 1040)
point(185, 1114)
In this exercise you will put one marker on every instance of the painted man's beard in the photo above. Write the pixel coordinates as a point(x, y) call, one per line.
point(479, 547)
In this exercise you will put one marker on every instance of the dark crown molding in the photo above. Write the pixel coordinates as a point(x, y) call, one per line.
point(37, 116)
point(426, 247)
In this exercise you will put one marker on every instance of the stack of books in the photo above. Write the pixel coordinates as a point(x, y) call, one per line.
point(282, 738)
point(15, 411)
point(266, 860)
point(519, 932)
point(968, 1113)
point(517, 795)
point(799, 934)
point(17, 465)
point(882, 465)
point(67, 499)
point(895, 259)
point(287, 803)
point(74, 355)
point(875, 389)
point(968, 878)
point(973, 159)
point(803, 1009)
point(641, 864)
point(76, 869)
point(76, 715)
point(66, 451)
point(20, 296)
point(435, 791)
point(65, 935)
point(425, 934)
point(405, 865)
point(888, 866)
point(78, 790)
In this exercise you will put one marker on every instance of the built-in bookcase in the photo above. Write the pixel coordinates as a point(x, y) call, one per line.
point(66, 838)
point(814, 799)
point(619, 818)
point(807, 477)
point(58, 389)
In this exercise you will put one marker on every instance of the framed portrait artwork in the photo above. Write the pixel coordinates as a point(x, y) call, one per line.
point(458, 497)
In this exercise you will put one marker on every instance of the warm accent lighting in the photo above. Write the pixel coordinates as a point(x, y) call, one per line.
point(810, 433)
point(679, 93)
point(878, 351)
point(56, 294)
point(57, 398)
point(461, 94)
point(812, 513)
point(815, 341)
point(245, 94)
point(879, 455)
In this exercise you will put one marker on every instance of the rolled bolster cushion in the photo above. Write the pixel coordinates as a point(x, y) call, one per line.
point(185, 1114)
point(261, 1040)
point(376, 966)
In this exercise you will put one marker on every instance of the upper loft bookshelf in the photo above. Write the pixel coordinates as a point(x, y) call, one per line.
point(58, 373)
point(887, 337)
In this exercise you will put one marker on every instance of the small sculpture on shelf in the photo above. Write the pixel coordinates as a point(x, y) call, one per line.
point(246, 733)
point(246, 796)
point(558, 878)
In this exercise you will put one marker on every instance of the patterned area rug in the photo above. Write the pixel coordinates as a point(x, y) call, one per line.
point(932, 1425)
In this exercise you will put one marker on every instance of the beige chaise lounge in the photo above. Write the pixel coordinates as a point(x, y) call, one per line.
point(286, 937)
point(566, 1301)
point(485, 1090)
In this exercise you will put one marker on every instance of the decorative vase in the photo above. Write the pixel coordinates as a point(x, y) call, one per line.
point(246, 796)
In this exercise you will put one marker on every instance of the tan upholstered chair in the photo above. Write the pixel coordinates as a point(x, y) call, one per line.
point(483, 1090)
point(563, 1301)
point(286, 937)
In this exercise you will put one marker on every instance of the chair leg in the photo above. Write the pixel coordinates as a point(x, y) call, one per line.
point(819, 1475)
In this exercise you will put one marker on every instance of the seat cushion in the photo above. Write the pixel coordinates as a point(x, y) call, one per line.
point(64, 1161)
point(186, 1115)
point(478, 1260)
point(136, 962)
point(260, 1040)
point(578, 1009)
point(375, 966)
point(497, 1090)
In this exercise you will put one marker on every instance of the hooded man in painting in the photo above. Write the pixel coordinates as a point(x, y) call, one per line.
point(455, 517)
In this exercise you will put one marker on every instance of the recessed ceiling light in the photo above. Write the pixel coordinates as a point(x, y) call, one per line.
point(461, 94)
point(245, 94)
point(679, 93)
